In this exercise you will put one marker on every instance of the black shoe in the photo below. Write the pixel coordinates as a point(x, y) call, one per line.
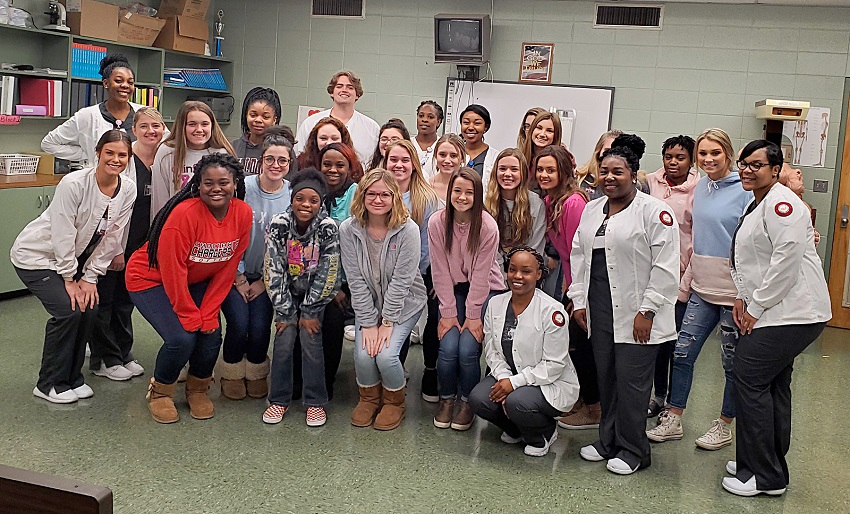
point(429, 386)
point(654, 409)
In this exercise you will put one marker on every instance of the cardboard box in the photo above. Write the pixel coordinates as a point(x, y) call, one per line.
point(183, 34)
point(137, 29)
point(191, 8)
point(92, 19)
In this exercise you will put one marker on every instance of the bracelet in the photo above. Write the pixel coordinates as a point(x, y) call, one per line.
point(237, 284)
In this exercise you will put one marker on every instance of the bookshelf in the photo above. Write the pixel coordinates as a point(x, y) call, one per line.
point(47, 49)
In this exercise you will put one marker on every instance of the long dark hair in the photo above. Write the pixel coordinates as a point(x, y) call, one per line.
point(190, 190)
point(477, 211)
point(567, 185)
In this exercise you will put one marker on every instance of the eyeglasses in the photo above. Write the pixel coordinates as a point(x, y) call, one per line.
point(755, 166)
point(385, 139)
point(281, 161)
point(384, 196)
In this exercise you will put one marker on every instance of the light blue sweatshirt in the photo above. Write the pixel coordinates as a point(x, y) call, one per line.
point(425, 256)
point(718, 205)
point(265, 207)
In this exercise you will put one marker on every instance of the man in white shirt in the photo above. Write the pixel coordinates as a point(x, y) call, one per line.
point(345, 89)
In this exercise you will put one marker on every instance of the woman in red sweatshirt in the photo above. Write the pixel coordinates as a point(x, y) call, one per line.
point(180, 277)
point(463, 241)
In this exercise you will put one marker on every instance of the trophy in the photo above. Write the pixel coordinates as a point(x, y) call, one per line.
point(218, 26)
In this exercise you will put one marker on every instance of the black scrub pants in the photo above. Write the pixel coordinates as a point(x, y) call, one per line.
point(112, 335)
point(526, 413)
point(625, 373)
point(762, 370)
point(65, 335)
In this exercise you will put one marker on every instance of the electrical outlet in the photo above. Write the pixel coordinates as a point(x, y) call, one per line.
point(820, 186)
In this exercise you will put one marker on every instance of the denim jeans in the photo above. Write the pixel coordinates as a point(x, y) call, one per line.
point(314, 392)
point(459, 361)
point(249, 327)
point(553, 285)
point(664, 359)
point(385, 367)
point(701, 318)
point(178, 346)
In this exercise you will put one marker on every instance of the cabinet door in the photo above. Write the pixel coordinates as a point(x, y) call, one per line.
point(20, 206)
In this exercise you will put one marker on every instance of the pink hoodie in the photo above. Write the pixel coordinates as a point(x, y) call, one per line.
point(681, 200)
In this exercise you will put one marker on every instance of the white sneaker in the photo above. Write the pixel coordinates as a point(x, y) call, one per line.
point(718, 436)
point(53, 397)
point(83, 392)
point(669, 429)
point(735, 486)
point(135, 368)
point(348, 333)
point(620, 467)
point(510, 440)
point(589, 453)
point(732, 467)
point(117, 372)
point(533, 451)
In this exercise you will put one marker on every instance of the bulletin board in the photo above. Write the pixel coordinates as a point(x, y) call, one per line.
point(508, 102)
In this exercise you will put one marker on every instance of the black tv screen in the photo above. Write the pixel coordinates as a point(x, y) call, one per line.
point(459, 36)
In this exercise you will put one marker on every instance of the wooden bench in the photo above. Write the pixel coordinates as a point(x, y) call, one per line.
point(23, 491)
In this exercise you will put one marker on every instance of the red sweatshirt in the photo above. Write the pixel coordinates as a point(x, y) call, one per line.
point(195, 247)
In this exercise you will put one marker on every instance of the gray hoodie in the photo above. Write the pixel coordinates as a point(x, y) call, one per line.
point(402, 293)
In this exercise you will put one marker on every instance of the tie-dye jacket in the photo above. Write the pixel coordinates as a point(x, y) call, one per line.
point(302, 272)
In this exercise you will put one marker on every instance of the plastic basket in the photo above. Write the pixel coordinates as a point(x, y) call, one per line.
point(18, 164)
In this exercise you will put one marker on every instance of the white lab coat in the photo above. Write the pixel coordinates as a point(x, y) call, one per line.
point(540, 350)
point(776, 269)
point(642, 255)
point(55, 239)
point(76, 138)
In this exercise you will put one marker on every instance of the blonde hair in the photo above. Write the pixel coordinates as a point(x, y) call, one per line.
point(591, 167)
point(720, 137)
point(421, 192)
point(397, 216)
point(514, 226)
point(456, 141)
point(529, 148)
point(149, 112)
point(177, 138)
point(520, 139)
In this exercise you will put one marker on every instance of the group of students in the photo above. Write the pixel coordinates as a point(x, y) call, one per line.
point(582, 286)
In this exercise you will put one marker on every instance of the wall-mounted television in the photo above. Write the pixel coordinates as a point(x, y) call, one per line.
point(462, 38)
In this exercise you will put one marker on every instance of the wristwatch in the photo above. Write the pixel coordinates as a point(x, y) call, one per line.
point(648, 314)
point(387, 323)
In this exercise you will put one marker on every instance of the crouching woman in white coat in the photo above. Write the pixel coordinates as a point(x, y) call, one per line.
point(532, 380)
point(782, 306)
point(625, 270)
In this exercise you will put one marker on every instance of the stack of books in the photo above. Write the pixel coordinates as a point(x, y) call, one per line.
point(195, 78)
point(26, 96)
point(85, 60)
point(85, 94)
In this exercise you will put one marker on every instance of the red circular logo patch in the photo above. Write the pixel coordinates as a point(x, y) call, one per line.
point(558, 318)
point(666, 218)
point(783, 209)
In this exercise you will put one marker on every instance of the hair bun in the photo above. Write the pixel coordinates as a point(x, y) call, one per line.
point(631, 141)
point(113, 59)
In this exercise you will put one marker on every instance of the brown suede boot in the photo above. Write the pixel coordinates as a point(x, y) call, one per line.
point(161, 402)
point(368, 406)
point(200, 406)
point(393, 410)
point(232, 378)
point(256, 378)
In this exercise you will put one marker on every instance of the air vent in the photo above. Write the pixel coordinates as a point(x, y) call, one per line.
point(629, 16)
point(339, 8)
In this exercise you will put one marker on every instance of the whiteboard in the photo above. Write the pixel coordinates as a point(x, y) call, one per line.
point(509, 101)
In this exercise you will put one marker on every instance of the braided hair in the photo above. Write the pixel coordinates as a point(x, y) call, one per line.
point(539, 258)
point(260, 94)
point(112, 61)
point(191, 190)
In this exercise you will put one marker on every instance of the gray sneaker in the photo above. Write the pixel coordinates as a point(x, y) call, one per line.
point(718, 436)
point(669, 429)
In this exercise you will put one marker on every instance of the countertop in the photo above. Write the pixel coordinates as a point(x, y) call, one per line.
point(31, 180)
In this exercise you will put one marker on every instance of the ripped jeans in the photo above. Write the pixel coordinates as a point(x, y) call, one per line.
point(701, 317)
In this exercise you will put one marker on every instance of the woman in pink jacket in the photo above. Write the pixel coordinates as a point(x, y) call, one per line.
point(674, 184)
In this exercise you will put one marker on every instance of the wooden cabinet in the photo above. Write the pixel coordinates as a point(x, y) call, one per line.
point(19, 207)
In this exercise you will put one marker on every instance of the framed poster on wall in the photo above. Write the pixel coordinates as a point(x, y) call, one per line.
point(536, 63)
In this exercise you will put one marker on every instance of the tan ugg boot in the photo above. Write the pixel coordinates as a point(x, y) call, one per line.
point(232, 378)
point(368, 406)
point(393, 410)
point(256, 378)
point(161, 402)
point(200, 405)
